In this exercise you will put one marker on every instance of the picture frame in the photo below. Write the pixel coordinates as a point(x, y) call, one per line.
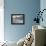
point(17, 19)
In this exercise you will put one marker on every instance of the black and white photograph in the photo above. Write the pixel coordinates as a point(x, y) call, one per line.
point(17, 19)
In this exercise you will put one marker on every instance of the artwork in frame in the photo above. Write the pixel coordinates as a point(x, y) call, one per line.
point(18, 19)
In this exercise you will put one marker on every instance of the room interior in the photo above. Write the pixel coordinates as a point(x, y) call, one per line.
point(17, 25)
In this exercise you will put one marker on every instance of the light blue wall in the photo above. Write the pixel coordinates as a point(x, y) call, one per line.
point(29, 8)
point(43, 6)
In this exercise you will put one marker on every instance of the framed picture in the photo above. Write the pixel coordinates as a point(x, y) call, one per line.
point(17, 19)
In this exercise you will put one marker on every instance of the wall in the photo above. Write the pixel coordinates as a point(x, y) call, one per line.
point(43, 6)
point(1, 20)
point(29, 8)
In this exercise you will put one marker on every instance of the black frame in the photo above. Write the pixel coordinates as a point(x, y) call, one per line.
point(17, 15)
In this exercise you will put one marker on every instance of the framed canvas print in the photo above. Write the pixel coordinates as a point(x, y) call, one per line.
point(17, 19)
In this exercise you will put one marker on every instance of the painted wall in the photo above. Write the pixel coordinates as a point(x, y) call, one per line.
point(1, 20)
point(43, 6)
point(29, 8)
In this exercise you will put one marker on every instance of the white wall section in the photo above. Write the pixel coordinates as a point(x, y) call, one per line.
point(1, 20)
